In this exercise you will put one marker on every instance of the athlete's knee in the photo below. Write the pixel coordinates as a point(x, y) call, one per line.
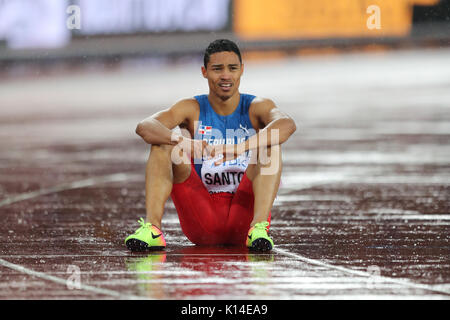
point(161, 148)
point(170, 153)
point(159, 154)
point(272, 164)
point(268, 159)
point(272, 152)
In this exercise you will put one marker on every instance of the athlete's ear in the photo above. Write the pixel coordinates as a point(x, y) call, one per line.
point(204, 72)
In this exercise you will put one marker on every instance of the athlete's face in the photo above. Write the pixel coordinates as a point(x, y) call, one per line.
point(223, 72)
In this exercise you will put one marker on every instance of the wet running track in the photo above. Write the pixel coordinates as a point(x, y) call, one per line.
point(363, 211)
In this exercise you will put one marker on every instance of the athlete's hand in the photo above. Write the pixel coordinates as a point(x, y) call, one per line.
point(228, 152)
point(195, 148)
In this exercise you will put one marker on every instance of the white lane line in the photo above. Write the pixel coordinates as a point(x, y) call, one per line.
point(116, 177)
point(368, 275)
point(64, 281)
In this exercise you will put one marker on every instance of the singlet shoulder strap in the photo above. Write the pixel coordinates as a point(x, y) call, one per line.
point(203, 104)
point(246, 101)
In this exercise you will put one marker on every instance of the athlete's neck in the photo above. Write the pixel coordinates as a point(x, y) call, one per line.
point(224, 107)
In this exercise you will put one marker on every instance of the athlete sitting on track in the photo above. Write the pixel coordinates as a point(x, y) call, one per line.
point(223, 181)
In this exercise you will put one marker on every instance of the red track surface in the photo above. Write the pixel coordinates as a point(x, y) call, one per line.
point(363, 211)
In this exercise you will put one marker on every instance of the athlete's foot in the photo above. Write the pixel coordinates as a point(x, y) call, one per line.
point(258, 239)
point(147, 237)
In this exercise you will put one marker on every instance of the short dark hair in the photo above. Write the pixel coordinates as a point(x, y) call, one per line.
point(220, 45)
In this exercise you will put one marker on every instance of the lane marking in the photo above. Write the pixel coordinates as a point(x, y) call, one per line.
point(116, 177)
point(368, 275)
point(119, 177)
point(85, 287)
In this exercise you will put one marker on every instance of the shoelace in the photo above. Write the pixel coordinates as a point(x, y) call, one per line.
point(262, 225)
point(143, 225)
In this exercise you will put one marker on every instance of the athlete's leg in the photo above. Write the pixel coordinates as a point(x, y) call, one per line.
point(165, 166)
point(202, 216)
point(265, 176)
point(249, 207)
point(241, 213)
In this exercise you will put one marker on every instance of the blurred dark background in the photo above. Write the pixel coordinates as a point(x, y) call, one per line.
point(37, 31)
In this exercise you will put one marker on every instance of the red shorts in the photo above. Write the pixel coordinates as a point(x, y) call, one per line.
point(211, 219)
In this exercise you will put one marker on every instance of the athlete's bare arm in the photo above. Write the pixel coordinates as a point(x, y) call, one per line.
point(273, 127)
point(157, 129)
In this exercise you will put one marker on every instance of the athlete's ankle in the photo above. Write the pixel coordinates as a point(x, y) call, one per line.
point(154, 222)
point(254, 222)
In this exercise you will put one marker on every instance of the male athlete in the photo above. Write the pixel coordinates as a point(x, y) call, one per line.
point(222, 166)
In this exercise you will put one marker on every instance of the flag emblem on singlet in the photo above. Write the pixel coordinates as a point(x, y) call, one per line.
point(204, 129)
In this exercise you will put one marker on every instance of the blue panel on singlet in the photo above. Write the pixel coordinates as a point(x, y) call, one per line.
point(213, 127)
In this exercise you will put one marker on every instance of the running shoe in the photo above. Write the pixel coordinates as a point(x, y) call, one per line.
point(147, 237)
point(257, 238)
